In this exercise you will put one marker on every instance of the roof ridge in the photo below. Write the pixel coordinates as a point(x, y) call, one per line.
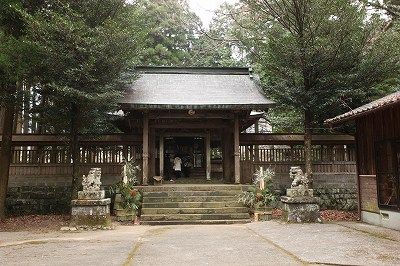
point(194, 70)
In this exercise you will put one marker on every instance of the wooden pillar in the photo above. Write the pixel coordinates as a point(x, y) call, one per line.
point(237, 149)
point(225, 169)
point(208, 155)
point(162, 155)
point(256, 149)
point(228, 154)
point(145, 149)
point(152, 154)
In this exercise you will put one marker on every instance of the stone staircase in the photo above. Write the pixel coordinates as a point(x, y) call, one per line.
point(193, 204)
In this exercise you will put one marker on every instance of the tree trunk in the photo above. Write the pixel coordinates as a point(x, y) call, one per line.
point(6, 152)
point(307, 144)
point(74, 147)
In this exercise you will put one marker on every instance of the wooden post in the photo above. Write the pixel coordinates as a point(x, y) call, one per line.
point(145, 148)
point(237, 149)
point(162, 155)
point(152, 142)
point(208, 156)
point(225, 156)
point(256, 150)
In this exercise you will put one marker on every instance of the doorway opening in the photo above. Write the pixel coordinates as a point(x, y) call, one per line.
point(191, 151)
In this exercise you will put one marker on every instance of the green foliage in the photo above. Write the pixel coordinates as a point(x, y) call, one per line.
point(319, 57)
point(18, 57)
point(132, 170)
point(215, 46)
point(255, 197)
point(131, 197)
point(171, 31)
point(285, 119)
point(86, 48)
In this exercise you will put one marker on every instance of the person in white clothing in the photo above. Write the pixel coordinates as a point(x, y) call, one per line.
point(178, 167)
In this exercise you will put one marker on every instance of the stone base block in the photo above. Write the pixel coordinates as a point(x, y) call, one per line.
point(262, 216)
point(91, 195)
point(296, 192)
point(90, 220)
point(86, 202)
point(301, 213)
point(90, 212)
point(302, 199)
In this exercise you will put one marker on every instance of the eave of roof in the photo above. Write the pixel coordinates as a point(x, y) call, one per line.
point(195, 88)
point(198, 106)
point(371, 107)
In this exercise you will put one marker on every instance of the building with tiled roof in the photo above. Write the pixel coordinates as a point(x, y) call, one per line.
point(378, 159)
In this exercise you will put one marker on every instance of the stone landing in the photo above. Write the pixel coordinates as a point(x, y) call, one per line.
point(193, 204)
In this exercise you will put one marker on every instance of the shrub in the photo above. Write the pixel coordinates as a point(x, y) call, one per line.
point(256, 197)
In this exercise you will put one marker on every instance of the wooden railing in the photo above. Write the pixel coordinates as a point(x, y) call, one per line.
point(55, 161)
point(326, 160)
point(87, 155)
point(319, 154)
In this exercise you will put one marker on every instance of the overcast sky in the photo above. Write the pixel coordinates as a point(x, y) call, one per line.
point(205, 8)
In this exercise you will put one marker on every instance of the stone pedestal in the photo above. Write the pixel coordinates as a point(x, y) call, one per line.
point(122, 214)
point(300, 207)
point(90, 212)
point(91, 208)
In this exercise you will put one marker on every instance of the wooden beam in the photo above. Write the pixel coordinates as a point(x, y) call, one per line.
point(208, 155)
point(196, 114)
point(237, 149)
point(191, 124)
point(26, 139)
point(145, 155)
point(293, 139)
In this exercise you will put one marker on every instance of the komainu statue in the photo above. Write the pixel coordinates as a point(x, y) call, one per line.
point(300, 180)
point(92, 182)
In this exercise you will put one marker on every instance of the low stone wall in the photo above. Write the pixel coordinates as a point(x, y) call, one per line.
point(44, 196)
point(336, 190)
point(38, 200)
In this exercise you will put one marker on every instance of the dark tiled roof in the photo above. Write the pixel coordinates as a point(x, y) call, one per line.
point(367, 108)
point(195, 88)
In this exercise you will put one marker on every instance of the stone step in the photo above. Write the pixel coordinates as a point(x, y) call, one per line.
point(164, 194)
point(149, 211)
point(181, 222)
point(192, 204)
point(185, 217)
point(193, 187)
point(189, 199)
